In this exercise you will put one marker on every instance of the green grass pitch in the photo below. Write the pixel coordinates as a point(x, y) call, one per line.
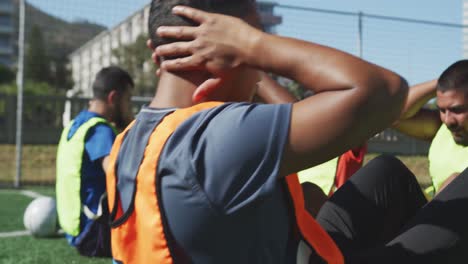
point(27, 249)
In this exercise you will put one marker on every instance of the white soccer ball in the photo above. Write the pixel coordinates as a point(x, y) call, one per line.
point(40, 217)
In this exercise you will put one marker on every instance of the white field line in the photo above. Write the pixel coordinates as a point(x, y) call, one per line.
point(30, 194)
point(14, 234)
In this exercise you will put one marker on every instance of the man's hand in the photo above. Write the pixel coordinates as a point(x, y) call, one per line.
point(219, 44)
point(105, 163)
point(155, 58)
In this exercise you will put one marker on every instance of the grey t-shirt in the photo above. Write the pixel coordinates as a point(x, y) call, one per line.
point(220, 191)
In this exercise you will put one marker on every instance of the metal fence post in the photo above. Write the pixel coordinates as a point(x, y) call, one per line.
point(20, 83)
point(360, 36)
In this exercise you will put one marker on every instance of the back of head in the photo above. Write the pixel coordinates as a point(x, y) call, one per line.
point(161, 13)
point(110, 79)
point(454, 77)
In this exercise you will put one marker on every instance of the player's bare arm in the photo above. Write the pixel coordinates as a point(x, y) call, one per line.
point(353, 99)
point(272, 92)
point(416, 121)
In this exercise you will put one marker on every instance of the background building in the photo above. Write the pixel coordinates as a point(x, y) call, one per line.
point(97, 53)
point(7, 32)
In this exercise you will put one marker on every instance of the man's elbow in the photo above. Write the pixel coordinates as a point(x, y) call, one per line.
point(383, 97)
point(400, 88)
point(395, 95)
point(399, 94)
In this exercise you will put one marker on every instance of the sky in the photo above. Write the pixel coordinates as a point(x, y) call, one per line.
point(110, 12)
point(418, 52)
point(446, 11)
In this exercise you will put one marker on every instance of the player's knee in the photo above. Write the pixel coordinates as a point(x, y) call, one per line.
point(387, 161)
point(390, 168)
point(314, 197)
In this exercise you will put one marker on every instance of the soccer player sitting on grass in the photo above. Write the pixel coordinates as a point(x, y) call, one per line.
point(82, 159)
point(201, 176)
point(446, 128)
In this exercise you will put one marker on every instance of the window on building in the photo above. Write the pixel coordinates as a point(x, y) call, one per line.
point(5, 21)
point(6, 6)
point(5, 60)
point(5, 42)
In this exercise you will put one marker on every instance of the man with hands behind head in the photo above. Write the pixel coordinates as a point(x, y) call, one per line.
point(201, 176)
point(447, 128)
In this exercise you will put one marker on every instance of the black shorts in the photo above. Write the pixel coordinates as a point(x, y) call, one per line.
point(95, 240)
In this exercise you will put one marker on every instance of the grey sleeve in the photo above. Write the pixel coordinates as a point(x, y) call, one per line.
point(237, 153)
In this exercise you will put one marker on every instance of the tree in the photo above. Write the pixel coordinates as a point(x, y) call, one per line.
point(136, 59)
point(30, 88)
point(61, 77)
point(37, 66)
point(6, 75)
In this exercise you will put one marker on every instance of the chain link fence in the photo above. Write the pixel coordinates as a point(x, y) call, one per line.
point(419, 50)
point(67, 42)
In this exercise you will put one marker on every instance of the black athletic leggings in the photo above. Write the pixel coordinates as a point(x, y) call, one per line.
point(381, 216)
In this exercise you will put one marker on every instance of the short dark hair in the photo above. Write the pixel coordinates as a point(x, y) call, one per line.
point(161, 13)
point(109, 79)
point(454, 77)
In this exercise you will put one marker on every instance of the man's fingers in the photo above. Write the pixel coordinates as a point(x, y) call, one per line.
point(149, 44)
point(182, 64)
point(191, 13)
point(205, 89)
point(176, 49)
point(179, 33)
point(155, 58)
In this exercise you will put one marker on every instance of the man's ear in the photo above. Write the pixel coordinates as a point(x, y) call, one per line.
point(112, 97)
point(206, 89)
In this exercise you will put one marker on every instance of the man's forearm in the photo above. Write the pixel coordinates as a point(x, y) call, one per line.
point(272, 93)
point(418, 96)
point(318, 68)
point(415, 121)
